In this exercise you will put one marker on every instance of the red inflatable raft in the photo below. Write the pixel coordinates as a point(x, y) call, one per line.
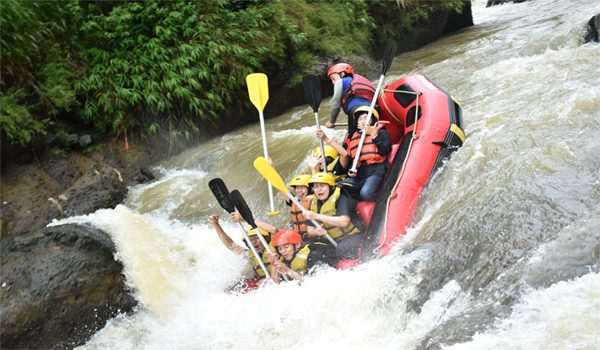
point(420, 145)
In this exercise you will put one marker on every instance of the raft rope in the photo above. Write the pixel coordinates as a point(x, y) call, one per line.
point(414, 136)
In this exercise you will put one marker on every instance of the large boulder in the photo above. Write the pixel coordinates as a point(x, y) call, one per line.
point(102, 187)
point(593, 29)
point(58, 286)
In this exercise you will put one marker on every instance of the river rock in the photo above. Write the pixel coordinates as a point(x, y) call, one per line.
point(58, 286)
point(85, 140)
point(593, 29)
point(101, 187)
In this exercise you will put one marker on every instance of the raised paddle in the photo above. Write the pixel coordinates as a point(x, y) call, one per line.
point(388, 57)
point(312, 95)
point(221, 193)
point(258, 91)
point(270, 174)
point(246, 213)
point(242, 207)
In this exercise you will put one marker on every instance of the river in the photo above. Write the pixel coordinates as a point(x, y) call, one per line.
point(504, 251)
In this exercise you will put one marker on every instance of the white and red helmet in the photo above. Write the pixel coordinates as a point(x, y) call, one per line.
point(339, 68)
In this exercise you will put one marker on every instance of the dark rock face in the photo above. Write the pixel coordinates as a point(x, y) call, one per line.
point(593, 29)
point(499, 2)
point(61, 185)
point(59, 286)
point(457, 21)
point(103, 188)
point(440, 23)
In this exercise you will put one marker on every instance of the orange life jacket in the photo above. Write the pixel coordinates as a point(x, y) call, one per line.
point(359, 87)
point(298, 220)
point(369, 153)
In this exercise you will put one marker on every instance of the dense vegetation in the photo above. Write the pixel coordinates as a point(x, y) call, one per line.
point(114, 66)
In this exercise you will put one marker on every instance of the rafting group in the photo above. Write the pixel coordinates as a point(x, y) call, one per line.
point(360, 194)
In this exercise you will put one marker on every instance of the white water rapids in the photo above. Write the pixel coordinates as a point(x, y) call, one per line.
point(505, 249)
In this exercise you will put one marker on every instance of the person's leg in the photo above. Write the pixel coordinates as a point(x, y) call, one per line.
point(348, 246)
point(370, 187)
point(352, 185)
point(321, 253)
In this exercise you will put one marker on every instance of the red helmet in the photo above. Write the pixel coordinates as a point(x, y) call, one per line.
point(286, 236)
point(339, 68)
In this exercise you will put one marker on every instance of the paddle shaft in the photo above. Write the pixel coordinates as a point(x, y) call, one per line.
point(266, 154)
point(269, 250)
point(364, 133)
point(295, 201)
point(258, 257)
point(321, 142)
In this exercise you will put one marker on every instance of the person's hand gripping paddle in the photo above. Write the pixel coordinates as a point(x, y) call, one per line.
point(312, 95)
point(388, 57)
point(270, 174)
point(221, 193)
point(244, 210)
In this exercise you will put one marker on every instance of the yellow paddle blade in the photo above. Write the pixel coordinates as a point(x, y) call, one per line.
point(258, 89)
point(270, 174)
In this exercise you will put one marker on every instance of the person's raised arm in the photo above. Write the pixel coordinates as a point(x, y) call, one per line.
point(225, 239)
point(265, 226)
point(336, 102)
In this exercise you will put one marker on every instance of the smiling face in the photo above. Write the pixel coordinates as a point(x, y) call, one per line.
point(255, 241)
point(300, 191)
point(286, 251)
point(321, 190)
point(362, 121)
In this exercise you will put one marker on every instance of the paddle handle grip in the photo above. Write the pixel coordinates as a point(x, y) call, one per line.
point(295, 201)
point(364, 134)
point(266, 154)
point(267, 248)
point(258, 257)
point(324, 161)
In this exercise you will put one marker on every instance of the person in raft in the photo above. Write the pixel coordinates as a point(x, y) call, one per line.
point(350, 91)
point(331, 157)
point(297, 221)
point(237, 249)
point(292, 257)
point(319, 253)
point(333, 209)
point(372, 160)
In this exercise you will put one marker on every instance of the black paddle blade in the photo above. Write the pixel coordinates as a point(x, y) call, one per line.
point(221, 193)
point(312, 91)
point(242, 207)
point(388, 56)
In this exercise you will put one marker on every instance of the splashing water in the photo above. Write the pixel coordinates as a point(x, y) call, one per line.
point(504, 251)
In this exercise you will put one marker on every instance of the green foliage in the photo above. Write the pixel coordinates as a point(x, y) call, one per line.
point(35, 39)
point(168, 59)
point(16, 121)
point(318, 28)
point(399, 18)
point(166, 65)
